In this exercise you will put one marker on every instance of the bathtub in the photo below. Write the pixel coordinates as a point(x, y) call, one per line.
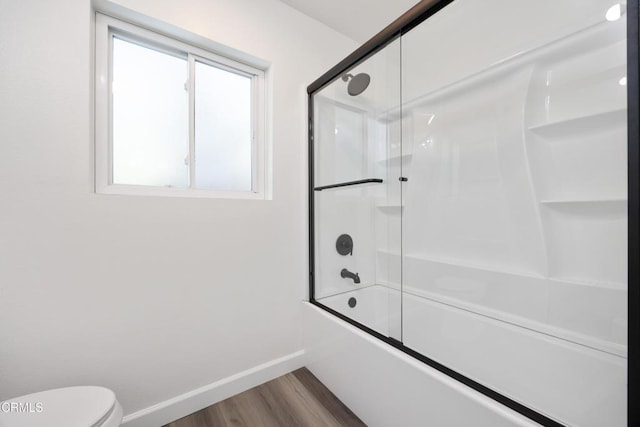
point(386, 387)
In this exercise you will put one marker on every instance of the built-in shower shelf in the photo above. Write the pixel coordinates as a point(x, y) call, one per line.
point(621, 200)
point(583, 124)
point(394, 160)
point(391, 209)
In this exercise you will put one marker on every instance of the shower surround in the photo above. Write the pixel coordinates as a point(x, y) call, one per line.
point(483, 181)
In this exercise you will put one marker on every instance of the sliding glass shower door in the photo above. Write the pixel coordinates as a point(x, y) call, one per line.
point(515, 220)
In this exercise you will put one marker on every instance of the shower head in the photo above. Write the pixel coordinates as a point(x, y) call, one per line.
point(357, 84)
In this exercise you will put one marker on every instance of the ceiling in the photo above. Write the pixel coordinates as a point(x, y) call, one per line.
point(357, 19)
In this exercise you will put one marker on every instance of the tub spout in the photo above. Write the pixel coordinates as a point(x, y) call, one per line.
point(349, 275)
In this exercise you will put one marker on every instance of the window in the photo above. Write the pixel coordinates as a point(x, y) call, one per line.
point(175, 119)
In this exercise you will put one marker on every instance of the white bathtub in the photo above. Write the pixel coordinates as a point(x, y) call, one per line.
point(386, 387)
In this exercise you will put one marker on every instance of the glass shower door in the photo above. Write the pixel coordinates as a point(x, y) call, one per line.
point(515, 208)
point(356, 194)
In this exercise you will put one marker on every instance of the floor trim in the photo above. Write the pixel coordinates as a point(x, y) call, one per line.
point(177, 407)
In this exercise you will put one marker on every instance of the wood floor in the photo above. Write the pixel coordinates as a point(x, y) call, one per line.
point(296, 399)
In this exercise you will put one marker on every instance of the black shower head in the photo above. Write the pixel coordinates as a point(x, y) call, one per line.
point(357, 84)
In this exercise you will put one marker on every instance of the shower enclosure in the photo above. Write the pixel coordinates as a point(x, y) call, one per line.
point(474, 200)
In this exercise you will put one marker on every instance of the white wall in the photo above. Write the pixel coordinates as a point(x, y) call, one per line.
point(149, 296)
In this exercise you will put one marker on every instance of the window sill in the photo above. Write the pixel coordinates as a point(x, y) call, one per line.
point(143, 190)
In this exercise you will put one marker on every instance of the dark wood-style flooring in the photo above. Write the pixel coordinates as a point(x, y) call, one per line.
point(296, 399)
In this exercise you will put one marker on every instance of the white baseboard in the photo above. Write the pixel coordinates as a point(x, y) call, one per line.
point(192, 401)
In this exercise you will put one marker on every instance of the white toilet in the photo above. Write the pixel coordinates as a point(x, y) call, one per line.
point(85, 406)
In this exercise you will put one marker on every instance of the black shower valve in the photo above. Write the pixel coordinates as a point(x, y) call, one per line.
point(344, 245)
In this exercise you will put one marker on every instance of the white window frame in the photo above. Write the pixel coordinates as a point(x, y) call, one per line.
point(107, 28)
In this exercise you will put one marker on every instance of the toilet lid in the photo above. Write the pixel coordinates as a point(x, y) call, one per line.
point(85, 406)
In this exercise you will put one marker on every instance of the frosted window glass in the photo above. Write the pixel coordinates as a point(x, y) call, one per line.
point(222, 129)
point(150, 117)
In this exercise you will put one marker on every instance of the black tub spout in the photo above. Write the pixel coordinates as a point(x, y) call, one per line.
point(349, 275)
